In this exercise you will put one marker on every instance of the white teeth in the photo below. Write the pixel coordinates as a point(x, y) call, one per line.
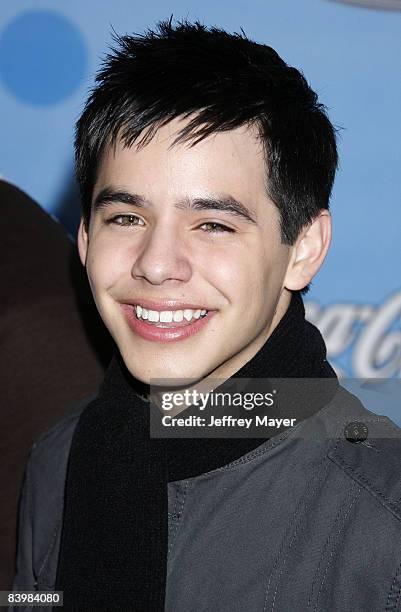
point(167, 316)
point(178, 316)
point(188, 314)
point(153, 316)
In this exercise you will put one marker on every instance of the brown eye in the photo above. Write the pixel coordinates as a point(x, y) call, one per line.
point(125, 220)
point(216, 228)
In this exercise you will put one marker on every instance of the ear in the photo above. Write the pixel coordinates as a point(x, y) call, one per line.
point(309, 252)
point(83, 240)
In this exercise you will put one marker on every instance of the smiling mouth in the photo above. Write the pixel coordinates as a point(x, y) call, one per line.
point(169, 318)
point(157, 326)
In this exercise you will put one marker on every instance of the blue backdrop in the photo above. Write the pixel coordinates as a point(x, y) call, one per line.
point(350, 53)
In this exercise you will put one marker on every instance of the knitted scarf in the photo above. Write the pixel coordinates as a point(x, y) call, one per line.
point(113, 553)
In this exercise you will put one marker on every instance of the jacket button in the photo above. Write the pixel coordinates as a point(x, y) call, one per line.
point(356, 432)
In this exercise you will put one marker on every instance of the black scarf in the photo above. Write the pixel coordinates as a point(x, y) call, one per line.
point(113, 553)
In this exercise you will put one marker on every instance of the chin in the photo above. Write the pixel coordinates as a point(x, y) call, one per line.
point(153, 369)
point(169, 373)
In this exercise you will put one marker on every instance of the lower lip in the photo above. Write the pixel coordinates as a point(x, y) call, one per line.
point(163, 334)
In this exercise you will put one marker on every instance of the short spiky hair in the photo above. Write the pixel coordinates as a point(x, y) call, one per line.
point(221, 81)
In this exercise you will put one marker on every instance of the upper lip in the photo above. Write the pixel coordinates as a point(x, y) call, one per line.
point(165, 304)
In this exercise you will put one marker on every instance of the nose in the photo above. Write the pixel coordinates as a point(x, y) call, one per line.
point(162, 257)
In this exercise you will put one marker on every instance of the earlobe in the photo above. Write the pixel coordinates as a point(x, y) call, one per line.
point(309, 252)
point(82, 239)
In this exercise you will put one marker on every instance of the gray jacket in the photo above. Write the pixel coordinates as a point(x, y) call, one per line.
point(308, 521)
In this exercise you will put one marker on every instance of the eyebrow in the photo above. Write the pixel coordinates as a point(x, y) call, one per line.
point(227, 204)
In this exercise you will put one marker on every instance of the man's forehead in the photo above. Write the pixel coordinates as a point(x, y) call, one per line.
point(222, 166)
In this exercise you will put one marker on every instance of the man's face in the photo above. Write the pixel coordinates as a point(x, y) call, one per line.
point(159, 237)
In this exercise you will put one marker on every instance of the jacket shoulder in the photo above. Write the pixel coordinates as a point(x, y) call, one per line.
point(374, 458)
point(54, 443)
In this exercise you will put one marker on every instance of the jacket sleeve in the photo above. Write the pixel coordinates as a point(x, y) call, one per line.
point(41, 508)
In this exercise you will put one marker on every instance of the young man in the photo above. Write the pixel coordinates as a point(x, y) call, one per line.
point(206, 166)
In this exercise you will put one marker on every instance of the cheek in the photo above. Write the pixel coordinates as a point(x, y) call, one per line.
point(105, 264)
point(223, 266)
point(240, 268)
point(255, 280)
